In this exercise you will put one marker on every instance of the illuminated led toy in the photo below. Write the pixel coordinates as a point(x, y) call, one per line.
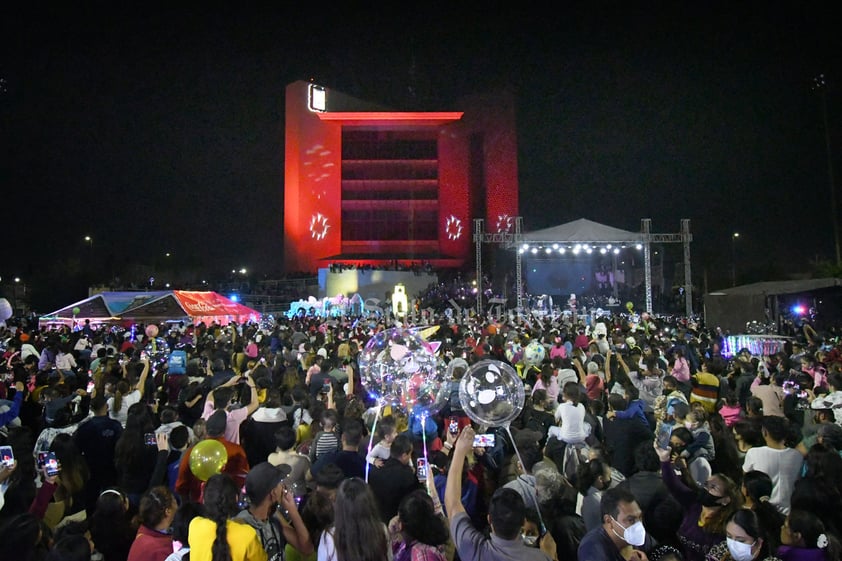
point(158, 350)
point(399, 368)
point(319, 226)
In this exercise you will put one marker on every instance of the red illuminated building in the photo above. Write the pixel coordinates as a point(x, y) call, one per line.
point(365, 185)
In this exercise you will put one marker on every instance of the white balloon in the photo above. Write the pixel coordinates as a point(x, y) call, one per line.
point(5, 309)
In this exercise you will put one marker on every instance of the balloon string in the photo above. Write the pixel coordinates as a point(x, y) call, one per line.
point(519, 459)
point(371, 439)
point(424, 441)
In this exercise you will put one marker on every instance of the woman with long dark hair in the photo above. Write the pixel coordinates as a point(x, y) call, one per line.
point(548, 381)
point(805, 538)
point(134, 458)
point(706, 510)
point(746, 539)
point(23, 538)
point(757, 489)
point(153, 541)
point(216, 536)
point(417, 531)
point(357, 534)
point(819, 489)
point(69, 498)
point(128, 391)
point(728, 459)
point(112, 528)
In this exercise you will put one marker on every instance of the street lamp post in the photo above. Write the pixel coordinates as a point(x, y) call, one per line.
point(15, 296)
point(734, 237)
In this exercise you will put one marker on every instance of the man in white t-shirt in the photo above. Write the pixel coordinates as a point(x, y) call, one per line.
point(777, 460)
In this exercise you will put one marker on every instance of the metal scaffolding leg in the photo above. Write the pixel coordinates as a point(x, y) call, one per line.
point(519, 265)
point(478, 237)
point(646, 226)
point(688, 279)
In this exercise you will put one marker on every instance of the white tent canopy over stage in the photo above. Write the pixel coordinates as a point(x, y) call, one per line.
point(587, 232)
point(582, 231)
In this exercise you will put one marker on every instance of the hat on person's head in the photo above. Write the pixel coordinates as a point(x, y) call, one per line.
point(217, 423)
point(264, 477)
point(322, 352)
point(830, 401)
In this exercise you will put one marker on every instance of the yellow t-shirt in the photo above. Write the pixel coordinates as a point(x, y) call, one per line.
point(242, 538)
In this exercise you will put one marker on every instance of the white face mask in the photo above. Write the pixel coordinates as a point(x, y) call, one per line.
point(634, 535)
point(740, 551)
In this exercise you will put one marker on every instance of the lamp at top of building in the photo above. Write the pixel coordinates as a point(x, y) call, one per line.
point(318, 98)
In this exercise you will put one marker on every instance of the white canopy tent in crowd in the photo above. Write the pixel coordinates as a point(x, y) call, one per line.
point(587, 232)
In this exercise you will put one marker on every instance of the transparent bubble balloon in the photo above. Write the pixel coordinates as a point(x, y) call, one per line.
point(534, 353)
point(491, 393)
point(399, 368)
point(158, 350)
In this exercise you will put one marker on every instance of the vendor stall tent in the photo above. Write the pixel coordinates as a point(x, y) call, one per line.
point(770, 302)
point(190, 307)
point(171, 306)
point(104, 307)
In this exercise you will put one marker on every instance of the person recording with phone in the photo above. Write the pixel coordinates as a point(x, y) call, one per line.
point(506, 514)
point(129, 390)
point(224, 398)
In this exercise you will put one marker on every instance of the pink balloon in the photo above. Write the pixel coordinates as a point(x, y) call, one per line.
point(151, 330)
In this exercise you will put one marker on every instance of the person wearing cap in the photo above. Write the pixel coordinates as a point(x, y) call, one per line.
point(265, 491)
point(826, 410)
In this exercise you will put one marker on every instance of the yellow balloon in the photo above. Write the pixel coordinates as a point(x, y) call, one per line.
point(208, 458)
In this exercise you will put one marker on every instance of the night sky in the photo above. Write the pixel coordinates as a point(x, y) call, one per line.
point(161, 131)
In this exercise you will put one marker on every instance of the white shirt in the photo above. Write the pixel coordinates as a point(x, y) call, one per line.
point(572, 419)
point(783, 466)
point(29, 350)
point(65, 361)
point(128, 400)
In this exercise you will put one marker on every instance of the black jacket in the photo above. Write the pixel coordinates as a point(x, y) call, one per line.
point(390, 484)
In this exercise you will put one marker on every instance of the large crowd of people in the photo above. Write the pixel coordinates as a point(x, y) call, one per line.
point(638, 440)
